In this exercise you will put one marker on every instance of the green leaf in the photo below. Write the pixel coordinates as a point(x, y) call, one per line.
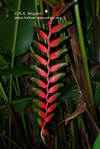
point(97, 143)
point(24, 31)
point(54, 2)
point(17, 71)
point(21, 104)
point(96, 77)
point(5, 59)
point(97, 95)
point(2, 92)
point(69, 93)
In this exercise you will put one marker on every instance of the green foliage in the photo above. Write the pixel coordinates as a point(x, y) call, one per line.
point(69, 93)
point(96, 77)
point(97, 95)
point(54, 2)
point(17, 71)
point(20, 104)
point(97, 143)
point(24, 31)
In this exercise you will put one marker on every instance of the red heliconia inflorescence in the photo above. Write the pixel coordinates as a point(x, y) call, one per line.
point(48, 97)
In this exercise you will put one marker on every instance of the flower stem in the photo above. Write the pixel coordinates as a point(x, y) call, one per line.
point(84, 57)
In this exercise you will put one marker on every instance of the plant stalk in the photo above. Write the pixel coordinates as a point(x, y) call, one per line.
point(84, 57)
point(22, 113)
point(12, 64)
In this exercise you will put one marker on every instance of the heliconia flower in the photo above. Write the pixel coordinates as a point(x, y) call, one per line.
point(56, 77)
point(41, 113)
point(39, 82)
point(47, 101)
point(39, 92)
point(55, 42)
point(56, 13)
point(41, 60)
point(51, 108)
point(58, 41)
point(53, 97)
point(49, 117)
point(55, 87)
point(43, 35)
point(57, 67)
point(56, 28)
point(56, 54)
point(40, 122)
point(40, 46)
point(44, 131)
point(42, 104)
point(39, 70)
point(39, 103)
point(42, 72)
point(60, 27)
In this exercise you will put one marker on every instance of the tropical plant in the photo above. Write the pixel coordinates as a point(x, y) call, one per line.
point(37, 99)
point(47, 106)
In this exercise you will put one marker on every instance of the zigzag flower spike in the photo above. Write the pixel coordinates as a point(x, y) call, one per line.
point(48, 90)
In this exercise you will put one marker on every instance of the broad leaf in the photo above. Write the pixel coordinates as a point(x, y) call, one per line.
point(97, 143)
point(17, 71)
point(24, 32)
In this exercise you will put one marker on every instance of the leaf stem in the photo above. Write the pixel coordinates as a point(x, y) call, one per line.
point(22, 113)
point(12, 64)
point(84, 57)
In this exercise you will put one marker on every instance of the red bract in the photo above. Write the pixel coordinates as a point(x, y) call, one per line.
point(41, 72)
point(56, 28)
point(51, 108)
point(41, 60)
point(44, 131)
point(40, 122)
point(42, 104)
point(42, 47)
point(54, 78)
point(55, 54)
point(55, 42)
point(41, 83)
point(53, 88)
point(55, 67)
point(53, 98)
point(49, 117)
point(42, 114)
point(41, 94)
point(43, 35)
point(48, 102)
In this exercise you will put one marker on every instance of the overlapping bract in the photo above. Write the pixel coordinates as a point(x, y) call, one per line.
point(48, 87)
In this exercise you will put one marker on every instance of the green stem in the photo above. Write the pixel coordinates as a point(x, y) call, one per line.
point(22, 113)
point(17, 85)
point(14, 85)
point(12, 64)
point(42, 12)
point(36, 10)
point(25, 127)
point(41, 8)
point(83, 52)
